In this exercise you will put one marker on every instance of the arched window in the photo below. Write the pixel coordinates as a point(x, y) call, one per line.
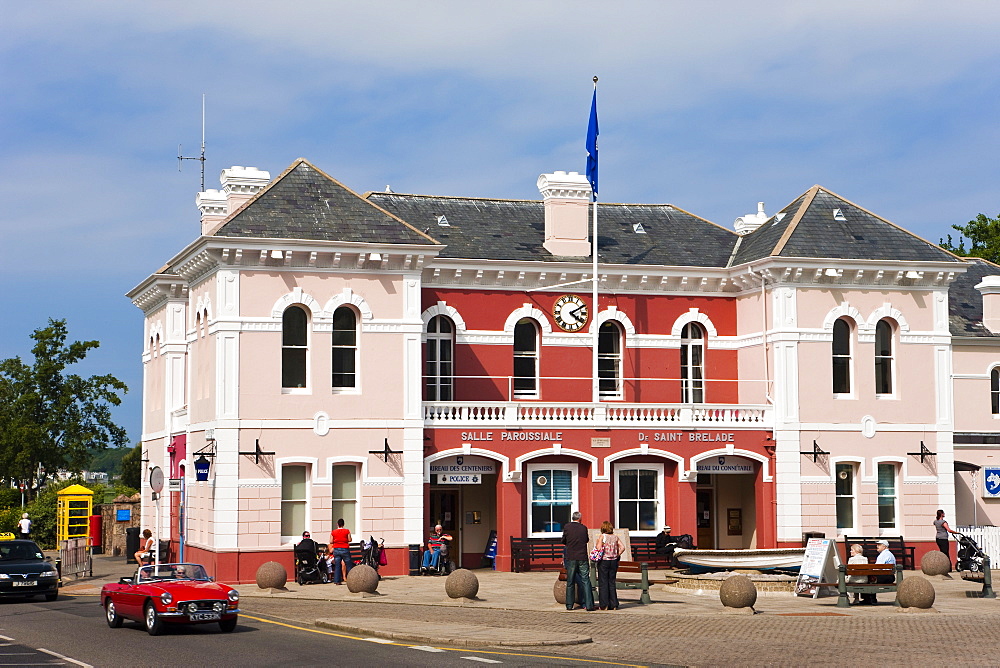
point(609, 360)
point(525, 359)
point(692, 364)
point(841, 357)
point(345, 348)
point(440, 373)
point(883, 357)
point(995, 390)
point(294, 347)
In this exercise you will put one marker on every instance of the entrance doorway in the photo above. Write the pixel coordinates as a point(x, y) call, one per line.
point(468, 513)
point(706, 519)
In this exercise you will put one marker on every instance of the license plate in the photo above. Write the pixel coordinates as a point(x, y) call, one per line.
point(204, 616)
point(25, 583)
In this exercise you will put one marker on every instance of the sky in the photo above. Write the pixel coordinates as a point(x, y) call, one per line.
point(710, 106)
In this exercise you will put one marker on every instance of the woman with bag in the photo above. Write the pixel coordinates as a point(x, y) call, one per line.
point(607, 550)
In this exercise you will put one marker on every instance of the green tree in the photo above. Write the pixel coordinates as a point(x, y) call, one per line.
point(131, 467)
point(53, 419)
point(983, 234)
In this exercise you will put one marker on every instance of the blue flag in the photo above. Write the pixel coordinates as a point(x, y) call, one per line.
point(592, 133)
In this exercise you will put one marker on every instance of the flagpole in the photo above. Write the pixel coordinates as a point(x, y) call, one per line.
point(592, 132)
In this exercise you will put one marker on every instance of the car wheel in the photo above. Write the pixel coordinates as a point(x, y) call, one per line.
point(227, 625)
point(51, 597)
point(114, 619)
point(153, 623)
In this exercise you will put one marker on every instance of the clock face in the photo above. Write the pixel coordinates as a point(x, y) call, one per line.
point(570, 313)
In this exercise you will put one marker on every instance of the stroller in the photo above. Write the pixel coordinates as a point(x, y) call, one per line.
point(970, 557)
point(371, 552)
point(310, 563)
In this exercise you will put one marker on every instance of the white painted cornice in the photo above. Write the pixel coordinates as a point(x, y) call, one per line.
point(847, 273)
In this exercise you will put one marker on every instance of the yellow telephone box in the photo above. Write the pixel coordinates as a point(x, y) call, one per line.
point(75, 504)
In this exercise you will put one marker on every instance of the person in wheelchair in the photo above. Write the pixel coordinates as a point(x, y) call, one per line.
point(436, 555)
point(307, 566)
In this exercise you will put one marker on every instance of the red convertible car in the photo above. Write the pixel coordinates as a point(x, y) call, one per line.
point(170, 594)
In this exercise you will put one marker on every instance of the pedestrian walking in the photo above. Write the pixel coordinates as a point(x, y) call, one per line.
point(24, 526)
point(611, 548)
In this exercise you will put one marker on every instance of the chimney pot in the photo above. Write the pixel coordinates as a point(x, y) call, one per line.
point(989, 288)
point(567, 205)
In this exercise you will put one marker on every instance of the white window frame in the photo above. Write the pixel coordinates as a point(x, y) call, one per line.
point(435, 340)
point(995, 392)
point(308, 362)
point(351, 522)
point(616, 357)
point(896, 476)
point(856, 479)
point(688, 344)
point(536, 355)
point(660, 502)
point(891, 357)
point(849, 357)
point(293, 538)
point(350, 389)
point(574, 505)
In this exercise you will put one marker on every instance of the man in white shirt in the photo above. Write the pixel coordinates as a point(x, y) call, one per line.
point(24, 526)
point(885, 556)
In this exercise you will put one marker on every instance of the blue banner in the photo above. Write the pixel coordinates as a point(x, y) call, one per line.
point(592, 133)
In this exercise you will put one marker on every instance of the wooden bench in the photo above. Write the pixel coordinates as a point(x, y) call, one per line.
point(524, 551)
point(644, 549)
point(844, 587)
point(639, 568)
point(898, 547)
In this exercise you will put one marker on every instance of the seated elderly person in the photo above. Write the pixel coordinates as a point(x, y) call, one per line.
point(666, 544)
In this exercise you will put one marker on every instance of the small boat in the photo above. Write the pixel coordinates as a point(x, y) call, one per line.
point(783, 558)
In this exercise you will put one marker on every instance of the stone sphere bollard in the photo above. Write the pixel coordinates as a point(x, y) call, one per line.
point(559, 591)
point(272, 575)
point(462, 583)
point(935, 563)
point(915, 592)
point(738, 591)
point(362, 578)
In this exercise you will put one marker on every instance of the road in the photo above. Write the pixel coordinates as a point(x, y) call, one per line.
point(72, 631)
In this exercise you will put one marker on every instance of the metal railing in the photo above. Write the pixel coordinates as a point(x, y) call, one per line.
point(75, 558)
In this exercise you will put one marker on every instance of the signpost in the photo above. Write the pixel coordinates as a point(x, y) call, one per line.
point(818, 565)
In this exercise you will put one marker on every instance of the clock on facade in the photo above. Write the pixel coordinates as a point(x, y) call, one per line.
point(570, 313)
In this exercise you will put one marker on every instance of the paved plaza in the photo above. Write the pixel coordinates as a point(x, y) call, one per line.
point(518, 610)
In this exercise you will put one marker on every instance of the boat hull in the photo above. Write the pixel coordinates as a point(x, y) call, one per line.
point(783, 558)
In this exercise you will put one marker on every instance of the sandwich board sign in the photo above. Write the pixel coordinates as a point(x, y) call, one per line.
point(818, 565)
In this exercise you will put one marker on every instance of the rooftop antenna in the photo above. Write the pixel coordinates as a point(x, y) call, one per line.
point(181, 158)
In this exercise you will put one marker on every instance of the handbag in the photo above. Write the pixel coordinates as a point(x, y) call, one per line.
point(598, 552)
point(382, 559)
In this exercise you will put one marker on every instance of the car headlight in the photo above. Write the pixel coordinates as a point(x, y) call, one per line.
point(50, 572)
point(192, 607)
point(218, 606)
point(166, 598)
point(234, 595)
point(4, 576)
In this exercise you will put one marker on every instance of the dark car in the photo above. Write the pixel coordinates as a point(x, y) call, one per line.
point(24, 571)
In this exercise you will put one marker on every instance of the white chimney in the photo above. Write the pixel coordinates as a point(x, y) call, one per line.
point(212, 205)
point(989, 288)
point(240, 184)
point(567, 199)
point(746, 224)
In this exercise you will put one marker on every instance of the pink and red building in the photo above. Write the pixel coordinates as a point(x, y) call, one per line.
point(405, 360)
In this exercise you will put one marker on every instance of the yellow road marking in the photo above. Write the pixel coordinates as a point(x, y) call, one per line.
point(449, 649)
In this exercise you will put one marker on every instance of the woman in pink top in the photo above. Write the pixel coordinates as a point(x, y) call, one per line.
point(340, 544)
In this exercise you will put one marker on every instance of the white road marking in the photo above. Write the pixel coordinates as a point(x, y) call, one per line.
point(425, 648)
point(384, 641)
point(6, 638)
point(481, 659)
point(65, 658)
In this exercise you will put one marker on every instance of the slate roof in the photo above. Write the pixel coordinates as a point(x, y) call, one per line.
point(497, 229)
point(810, 228)
point(965, 303)
point(305, 203)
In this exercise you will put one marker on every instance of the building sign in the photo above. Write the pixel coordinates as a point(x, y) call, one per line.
point(991, 482)
point(725, 464)
point(463, 465)
point(459, 479)
point(687, 437)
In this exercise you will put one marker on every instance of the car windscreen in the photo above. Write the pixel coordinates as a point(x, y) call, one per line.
point(166, 572)
point(20, 552)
